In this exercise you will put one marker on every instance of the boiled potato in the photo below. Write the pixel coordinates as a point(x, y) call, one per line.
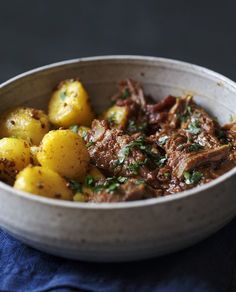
point(43, 182)
point(95, 173)
point(27, 123)
point(117, 116)
point(70, 105)
point(64, 152)
point(33, 152)
point(14, 156)
point(79, 197)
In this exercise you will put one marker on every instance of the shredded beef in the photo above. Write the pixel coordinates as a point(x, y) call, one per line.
point(170, 145)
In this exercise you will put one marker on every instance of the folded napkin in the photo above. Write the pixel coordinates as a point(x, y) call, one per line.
point(208, 266)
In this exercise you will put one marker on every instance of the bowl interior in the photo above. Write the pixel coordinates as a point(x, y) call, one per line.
point(159, 77)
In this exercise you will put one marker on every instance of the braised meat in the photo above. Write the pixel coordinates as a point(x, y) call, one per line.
point(161, 148)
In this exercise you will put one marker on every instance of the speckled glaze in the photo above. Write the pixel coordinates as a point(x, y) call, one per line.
point(121, 231)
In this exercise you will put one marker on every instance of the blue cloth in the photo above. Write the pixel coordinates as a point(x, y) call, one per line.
point(208, 266)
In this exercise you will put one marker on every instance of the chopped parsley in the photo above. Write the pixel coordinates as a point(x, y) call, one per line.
point(122, 179)
point(161, 160)
point(89, 181)
point(75, 186)
point(194, 147)
point(192, 177)
point(134, 127)
point(112, 119)
point(123, 153)
point(141, 144)
point(110, 184)
point(125, 94)
point(185, 115)
point(162, 140)
point(194, 127)
point(166, 174)
point(134, 167)
point(74, 128)
point(62, 95)
point(140, 182)
point(90, 144)
point(112, 187)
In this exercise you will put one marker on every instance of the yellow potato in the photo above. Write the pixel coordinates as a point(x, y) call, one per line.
point(117, 116)
point(14, 156)
point(70, 105)
point(95, 173)
point(27, 123)
point(64, 152)
point(33, 152)
point(43, 182)
point(79, 197)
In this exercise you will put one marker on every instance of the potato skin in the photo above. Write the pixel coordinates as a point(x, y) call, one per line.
point(43, 182)
point(70, 105)
point(64, 152)
point(33, 155)
point(14, 156)
point(27, 123)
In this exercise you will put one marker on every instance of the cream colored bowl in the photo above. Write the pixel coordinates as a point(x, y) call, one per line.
point(131, 230)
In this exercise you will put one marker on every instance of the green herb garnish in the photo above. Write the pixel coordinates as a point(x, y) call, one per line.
point(125, 94)
point(122, 179)
point(134, 167)
point(74, 128)
point(123, 153)
point(162, 140)
point(161, 161)
point(89, 181)
point(183, 118)
point(75, 186)
point(141, 144)
point(192, 177)
point(188, 109)
point(194, 127)
point(140, 182)
point(112, 119)
point(185, 115)
point(133, 127)
point(110, 184)
point(90, 144)
point(112, 187)
point(194, 147)
point(166, 174)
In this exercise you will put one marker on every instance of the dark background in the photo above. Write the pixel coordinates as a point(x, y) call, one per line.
point(35, 33)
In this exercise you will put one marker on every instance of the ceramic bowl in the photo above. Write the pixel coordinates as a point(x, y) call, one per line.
point(131, 230)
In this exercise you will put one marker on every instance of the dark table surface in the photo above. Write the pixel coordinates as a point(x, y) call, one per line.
point(35, 33)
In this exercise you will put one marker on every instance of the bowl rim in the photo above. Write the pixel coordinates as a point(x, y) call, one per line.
point(132, 204)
